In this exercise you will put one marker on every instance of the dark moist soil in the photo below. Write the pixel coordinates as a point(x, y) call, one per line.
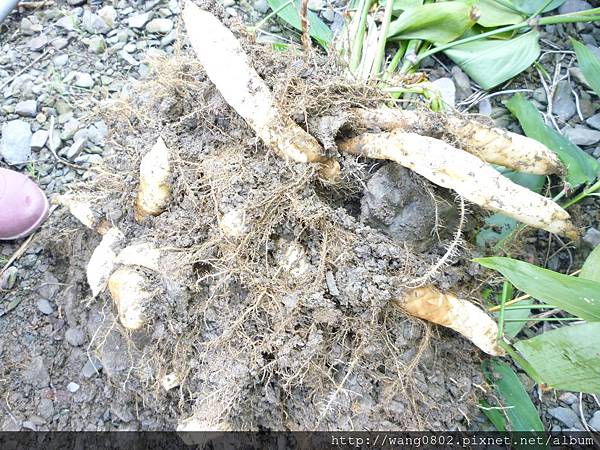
point(286, 327)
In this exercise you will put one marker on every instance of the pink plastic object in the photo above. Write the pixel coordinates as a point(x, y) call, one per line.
point(23, 205)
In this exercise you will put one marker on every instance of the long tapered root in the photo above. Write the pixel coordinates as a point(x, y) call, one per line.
point(493, 145)
point(428, 303)
point(464, 173)
point(227, 66)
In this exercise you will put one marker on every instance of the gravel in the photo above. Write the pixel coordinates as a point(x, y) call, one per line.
point(594, 422)
point(44, 306)
point(581, 135)
point(567, 416)
point(27, 108)
point(564, 103)
point(592, 237)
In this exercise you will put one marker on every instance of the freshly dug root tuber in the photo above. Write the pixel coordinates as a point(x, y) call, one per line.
point(430, 304)
point(102, 261)
point(154, 191)
point(227, 66)
point(466, 174)
point(83, 212)
point(128, 289)
point(143, 254)
point(493, 145)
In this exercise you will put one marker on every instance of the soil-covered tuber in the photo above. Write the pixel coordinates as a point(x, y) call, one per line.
point(154, 191)
point(464, 173)
point(129, 290)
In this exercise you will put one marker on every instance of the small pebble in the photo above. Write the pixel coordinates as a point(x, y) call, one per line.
point(72, 387)
point(44, 306)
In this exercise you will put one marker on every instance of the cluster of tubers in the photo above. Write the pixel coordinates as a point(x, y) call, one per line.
point(466, 170)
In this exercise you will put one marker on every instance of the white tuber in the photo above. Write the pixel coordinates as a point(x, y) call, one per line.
point(227, 66)
point(464, 317)
point(154, 191)
point(102, 261)
point(464, 173)
point(129, 290)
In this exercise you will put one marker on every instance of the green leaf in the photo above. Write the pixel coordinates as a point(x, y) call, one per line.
point(490, 62)
point(589, 65)
point(591, 266)
point(575, 295)
point(439, 22)
point(290, 14)
point(530, 6)
point(581, 167)
point(511, 329)
point(518, 407)
point(494, 415)
point(493, 14)
point(402, 5)
point(567, 358)
point(498, 226)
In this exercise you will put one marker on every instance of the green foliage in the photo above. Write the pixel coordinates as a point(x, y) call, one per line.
point(577, 296)
point(521, 413)
point(591, 266)
point(567, 358)
point(494, 14)
point(439, 22)
point(589, 65)
point(289, 13)
point(529, 7)
point(490, 62)
point(581, 167)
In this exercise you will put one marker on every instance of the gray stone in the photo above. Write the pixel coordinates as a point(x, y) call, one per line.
point(592, 237)
point(84, 80)
point(75, 148)
point(36, 373)
point(328, 14)
point(162, 26)
point(261, 6)
point(227, 3)
point(447, 91)
point(44, 306)
point(93, 24)
point(49, 286)
point(97, 44)
point(581, 135)
point(485, 107)
point(111, 354)
point(72, 387)
point(91, 368)
point(109, 15)
point(68, 23)
point(462, 83)
point(565, 415)
point(76, 2)
point(75, 337)
point(28, 108)
point(139, 20)
point(316, 5)
point(568, 397)
point(540, 95)
point(28, 27)
point(38, 42)
point(564, 104)
point(38, 140)
point(46, 408)
point(60, 43)
point(8, 278)
point(594, 121)
point(571, 6)
point(594, 422)
point(15, 146)
point(61, 60)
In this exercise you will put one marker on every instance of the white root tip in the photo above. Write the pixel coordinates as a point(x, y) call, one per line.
point(234, 223)
point(128, 289)
point(102, 261)
point(170, 381)
point(154, 192)
point(143, 254)
point(428, 303)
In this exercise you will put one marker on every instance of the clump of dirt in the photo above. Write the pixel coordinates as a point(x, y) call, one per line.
point(286, 325)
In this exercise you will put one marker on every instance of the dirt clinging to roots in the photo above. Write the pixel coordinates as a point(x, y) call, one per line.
point(287, 326)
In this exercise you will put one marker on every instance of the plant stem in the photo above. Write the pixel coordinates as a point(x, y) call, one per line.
point(510, 308)
point(506, 292)
point(582, 195)
point(410, 57)
point(395, 60)
point(357, 44)
point(545, 319)
point(385, 25)
point(269, 16)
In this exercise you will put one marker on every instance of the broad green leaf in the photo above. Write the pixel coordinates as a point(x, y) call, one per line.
point(498, 226)
point(567, 358)
point(494, 415)
point(589, 65)
point(581, 167)
point(575, 295)
point(591, 266)
point(511, 329)
point(530, 6)
point(290, 14)
point(439, 22)
point(490, 62)
point(402, 5)
point(518, 407)
point(494, 14)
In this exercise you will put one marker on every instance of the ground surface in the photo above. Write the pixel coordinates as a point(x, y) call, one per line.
point(52, 375)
